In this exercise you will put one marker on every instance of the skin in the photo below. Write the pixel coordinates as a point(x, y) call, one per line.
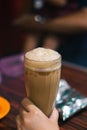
point(75, 22)
point(32, 118)
point(60, 3)
point(69, 24)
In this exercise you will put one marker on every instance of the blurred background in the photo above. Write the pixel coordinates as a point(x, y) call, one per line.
point(10, 38)
point(13, 39)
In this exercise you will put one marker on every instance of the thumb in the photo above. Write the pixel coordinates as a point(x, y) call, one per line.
point(54, 116)
point(18, 122)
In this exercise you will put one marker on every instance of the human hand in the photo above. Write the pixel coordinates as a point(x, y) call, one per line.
point(31, 118)
point(30, 22)
point(60, 3)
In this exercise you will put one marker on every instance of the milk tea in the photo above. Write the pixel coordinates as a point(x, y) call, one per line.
point(42, 76)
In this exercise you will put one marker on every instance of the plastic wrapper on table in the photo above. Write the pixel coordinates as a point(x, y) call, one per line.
point(12, 66)
point(0, 76)
point(69, 101)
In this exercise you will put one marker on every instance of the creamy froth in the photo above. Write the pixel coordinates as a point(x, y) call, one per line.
point(42, 54)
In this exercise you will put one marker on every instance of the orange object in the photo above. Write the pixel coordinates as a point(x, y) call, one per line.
point(4, 107)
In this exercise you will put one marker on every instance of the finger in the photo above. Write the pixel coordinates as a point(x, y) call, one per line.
point(55, 115)
point(28, 105)
point(23, 113)
point(18, 122)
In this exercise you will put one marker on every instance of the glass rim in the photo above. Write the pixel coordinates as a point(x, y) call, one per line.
point(26, 58)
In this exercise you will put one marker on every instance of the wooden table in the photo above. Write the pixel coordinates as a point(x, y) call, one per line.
point(12, 88)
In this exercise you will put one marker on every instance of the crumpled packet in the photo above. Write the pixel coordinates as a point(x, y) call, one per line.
point(69, 101)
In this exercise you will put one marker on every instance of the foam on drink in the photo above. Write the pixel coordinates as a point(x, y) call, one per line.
point(41, 58)
point(42, 54)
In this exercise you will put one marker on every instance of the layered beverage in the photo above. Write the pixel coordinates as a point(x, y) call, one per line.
point(42, 76)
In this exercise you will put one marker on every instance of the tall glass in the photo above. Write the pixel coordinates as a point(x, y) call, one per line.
point(42, 76)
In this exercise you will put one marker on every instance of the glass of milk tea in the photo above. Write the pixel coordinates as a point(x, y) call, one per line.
point(42, 75)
